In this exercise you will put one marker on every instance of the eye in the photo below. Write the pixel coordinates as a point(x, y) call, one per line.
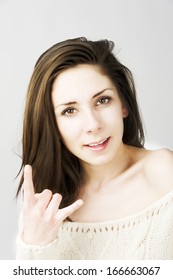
point(68, 112)
point(103, 100)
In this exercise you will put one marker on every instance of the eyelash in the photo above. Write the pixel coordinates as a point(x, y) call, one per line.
point(108, 98)
point(105, 98)
point(66, 111)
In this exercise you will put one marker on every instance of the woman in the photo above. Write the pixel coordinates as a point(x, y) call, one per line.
point(91, 189)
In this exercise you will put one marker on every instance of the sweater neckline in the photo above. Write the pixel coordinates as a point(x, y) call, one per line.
point(149, 211)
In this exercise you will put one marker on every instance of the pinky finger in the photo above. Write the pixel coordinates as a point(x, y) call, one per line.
point(63, 213)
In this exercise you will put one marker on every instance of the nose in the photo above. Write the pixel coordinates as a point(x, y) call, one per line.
point(92, 122)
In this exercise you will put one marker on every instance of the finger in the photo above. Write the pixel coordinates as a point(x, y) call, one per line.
point(67, 211)
point(54, 204)
point(28, 186)
point(43, 200)
point(37, 195)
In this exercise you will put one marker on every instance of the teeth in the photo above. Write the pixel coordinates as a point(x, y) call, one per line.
point(94, 145)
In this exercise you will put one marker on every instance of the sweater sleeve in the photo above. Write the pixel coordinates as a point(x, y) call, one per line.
point(34, 252)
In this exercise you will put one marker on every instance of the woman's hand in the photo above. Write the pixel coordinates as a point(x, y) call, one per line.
point(41, 214)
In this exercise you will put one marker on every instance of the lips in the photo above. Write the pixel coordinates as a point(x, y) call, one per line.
point(98, 146)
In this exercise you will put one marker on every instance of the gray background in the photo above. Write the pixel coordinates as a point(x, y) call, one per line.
point(142, 31)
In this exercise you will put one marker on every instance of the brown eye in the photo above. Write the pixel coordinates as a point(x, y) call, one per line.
point(103, 100)
point(68, 112)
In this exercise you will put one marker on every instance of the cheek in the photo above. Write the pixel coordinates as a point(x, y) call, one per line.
point(69, 129)
point(113, 116)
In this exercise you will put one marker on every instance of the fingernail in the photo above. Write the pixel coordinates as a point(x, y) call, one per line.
point(27, 168)
point(80, 202)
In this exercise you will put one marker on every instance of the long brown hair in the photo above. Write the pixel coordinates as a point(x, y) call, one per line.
point(54, 167)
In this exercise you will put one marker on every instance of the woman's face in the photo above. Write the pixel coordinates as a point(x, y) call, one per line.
point(89, 114)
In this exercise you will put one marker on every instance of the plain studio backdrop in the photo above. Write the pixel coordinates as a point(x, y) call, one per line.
point(142, 32)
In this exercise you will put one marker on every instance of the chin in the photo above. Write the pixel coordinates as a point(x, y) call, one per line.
point(98, 161)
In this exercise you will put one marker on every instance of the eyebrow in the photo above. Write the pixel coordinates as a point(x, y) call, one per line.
point(74, 102)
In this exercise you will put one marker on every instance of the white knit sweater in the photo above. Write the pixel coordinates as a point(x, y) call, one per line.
point(145, 235)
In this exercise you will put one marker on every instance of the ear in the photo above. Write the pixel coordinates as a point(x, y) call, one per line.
point(124, 111)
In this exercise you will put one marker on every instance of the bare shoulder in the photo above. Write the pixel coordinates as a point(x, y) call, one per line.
point(158, 168)
point(162, 158)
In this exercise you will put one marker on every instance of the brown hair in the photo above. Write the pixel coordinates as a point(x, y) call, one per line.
point(54, 167)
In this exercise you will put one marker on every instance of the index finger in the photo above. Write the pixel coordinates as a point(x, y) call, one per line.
point(29, 196)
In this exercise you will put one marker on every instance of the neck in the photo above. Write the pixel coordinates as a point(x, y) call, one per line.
point(98, 175)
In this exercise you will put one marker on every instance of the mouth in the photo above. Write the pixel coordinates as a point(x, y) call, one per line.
point(98, 146)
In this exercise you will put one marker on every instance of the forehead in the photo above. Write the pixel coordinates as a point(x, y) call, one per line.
point(79, 81)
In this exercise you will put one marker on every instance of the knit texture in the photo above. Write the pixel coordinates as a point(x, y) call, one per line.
point(145, 235)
